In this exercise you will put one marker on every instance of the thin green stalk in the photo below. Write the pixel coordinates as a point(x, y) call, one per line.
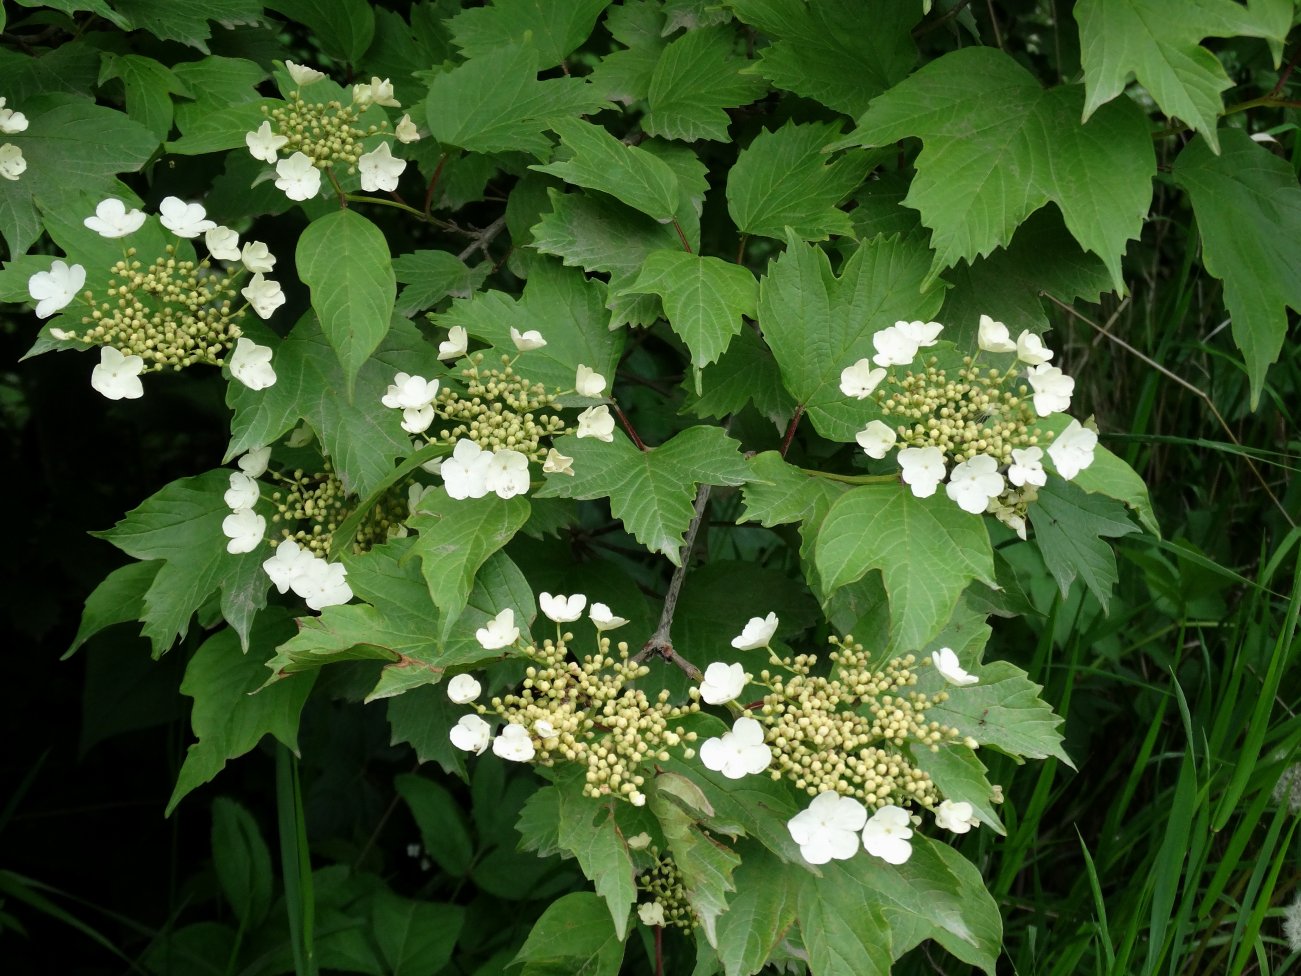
point(295, 862)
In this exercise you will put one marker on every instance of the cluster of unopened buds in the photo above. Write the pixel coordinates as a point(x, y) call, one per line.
point(12, 163)
point(496, 426)
point(982, 422)
point(175, 312)
point(318, 135)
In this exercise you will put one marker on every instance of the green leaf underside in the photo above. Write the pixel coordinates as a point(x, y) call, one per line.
point(1070, 527)
point(1109, 475)
point(573, 936)
point(651, 492)
point(997, 147)
point(554, 30)
point(1003, 711)
point(696, 78)
point(587, 829)
point(430, 276)
point(706, 864)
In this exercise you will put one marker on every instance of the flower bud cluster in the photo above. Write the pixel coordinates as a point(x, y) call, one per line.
point(310, 507)
point(499, 409)
point(325, 132)
point(663, 882)
point(12, 163)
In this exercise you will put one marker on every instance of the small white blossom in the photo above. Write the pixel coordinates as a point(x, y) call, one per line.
point(876, 439)
point(596, 422)
point(112, 219)
point(828, 828)
point(1010, 518)
point(994, 337)
point(723, 683)
point(1072, 449)
point(257, 258)
point(118, 376)
point(379, 170)
point(603, 619)
point(298, 177)
point(264, 295)
point(886, 835)
point(243, 492)
point(514, 743)
point(416, 420)
point(562, 609)
point(974, 482)
point(465, 473)
point(302, 74)
point(407, 390)
point(323, 584)
point(923, 469)
point(893, 347)
point(251, 364)
point(526, 341)
point(1027, 467)
point(860, 380)
point(11, 122)
point(507, 473)
point(288, 565)
point(61, 334)
point(254, 463)
point(184, 219)
point(54, 289)
point(741, 752)
point(498, 632)
point(651, 913)
point(376, 93)
point(244, 529)
point(588, 382)
point(222, 243)
point(922, 333)
point(1052, 389)
point(264, 144)
point(455, 345)
point(471, 734)
point(947, 664)
point(639, 842)
point(406, 130)
point(1030, 349)
point(557, 463)
point(12, 163)
point(463, 689)
point(757, 633)
point(957, 817)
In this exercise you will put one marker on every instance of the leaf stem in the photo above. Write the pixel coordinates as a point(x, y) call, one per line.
point(334, 181)
point(433, 182)
point(342, 537)
point(483, 238)
point(627, 425)
point(686, 245)
point(852, 479)
point(791, 428)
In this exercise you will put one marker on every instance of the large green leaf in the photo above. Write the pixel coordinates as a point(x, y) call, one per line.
point(927, 550)
point(187, 23)
point(704, 863)
point(1070, 526)
point(783, 179)
point(344, 259)
point(574, 937)
point(415, 937)
point(845, 934)
point(343, 28)
point(997, 147)
point(817, 324)
point(149, 89)
point(442, 823)
point(625, 74)
point(554, 30)
point(650, 491)
point(1108, 475)
point(1003, 710)
point(1247, 201)
point(696, 78)
point(760, 912)
point(745, 373)
point(430, 276)
point(588, 831)
point(118, 599)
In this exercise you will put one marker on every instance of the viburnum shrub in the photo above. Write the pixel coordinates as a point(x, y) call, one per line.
point(654, 394)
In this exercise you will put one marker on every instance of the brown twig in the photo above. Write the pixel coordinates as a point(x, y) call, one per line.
point(483, 238)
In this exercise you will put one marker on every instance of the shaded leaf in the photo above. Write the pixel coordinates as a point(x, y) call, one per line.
point(1069, 528)
point(696, 78)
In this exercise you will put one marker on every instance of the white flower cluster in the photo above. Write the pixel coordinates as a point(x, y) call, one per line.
point(975, 423)
point(12, 163)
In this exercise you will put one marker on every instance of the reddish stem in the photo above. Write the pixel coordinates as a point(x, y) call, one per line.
point(433, 182)
point(790, 431)
point(659, 950)
point(627, 425)
point(686, 245)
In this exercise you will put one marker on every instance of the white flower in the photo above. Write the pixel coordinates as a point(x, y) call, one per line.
point(415, 495)
point(543, 729)
point(757, 632)
point(876, 439)
point(463, 689)
point(251, 363)
point(723, 683)
point(184, 219)
point(379, 170)
point(407, 390)
point(406, 130)
point(922, 333)
point(1030, 349)
point(588, 382)
point(923, 469)
point(994, 337)
point(298, 177)
point(828, 828)
point(946, 663)
point(893, 347)
point(465, 473)
point(562, 609)
point(416, 420)
point(639, 842)
point(596, 422)
point(61, 334)
point(557, 463)
point(860, 380)
point(254, 463)
point(288, 565)
point(514, 743)
point(1072, 449)
point(263, 294)
point(499, 632)
point(244, 529)
point(264, 144)
point(1010, 518)
point(53, 289)
point(741, 752)
point(118, 376)
point(1052, 389)
point(651, 913)
point(1027, 467)
point(376, 93)
point(886, 835)
point(525, 341)
point(11, 122)
point(455, 344)
point(507, 473)
point(471, 734)
point(257, 258)
point(323, 584)
point(603, 619)
point(974, 482)
point(242, 493)
point(957, 817)
point(12, 163)
point(112, 219)
point(222, 243)
point(302, 74)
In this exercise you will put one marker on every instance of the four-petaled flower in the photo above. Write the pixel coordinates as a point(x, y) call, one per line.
point(254, 462)
point(596, 422)
point(1052, 389)
point(603, 619)
point(651, 914)
point(222, 243)
point(465, 473)
point(1072, 449)
point(408, 390)
point(463, 689)
point(723, 683)
point(828, 828)
point(947, 664)
point(893, 347)
point(507, 473)
point(1027, 467)
point(454, 346)
point(379, 170)
point(876, 439)
point(242, 493)
point(257, 258)
point(974, 482)
point(323, 584)
point(588, 382)
point(498, 632)
point(264, 144)
point(53, 289)
point(861, 379)
point(184, 219)
point(514, 743)
point(406, 130)
point(244, 529)
point(112, 219)
point(471, 734)
point(526, 341)
point(251, 363)
point(922, 469)
point(1030, 349)
point(741, 752)
point(994, 337)
point(264, 295)
point(757, 633)
point(298, 177)
point(557, 463)
point(117, 376)
point(12, 163)
point(288, 566)
point(11, 122)
point(562, 609)
point(958, 817)
point(886, 835)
